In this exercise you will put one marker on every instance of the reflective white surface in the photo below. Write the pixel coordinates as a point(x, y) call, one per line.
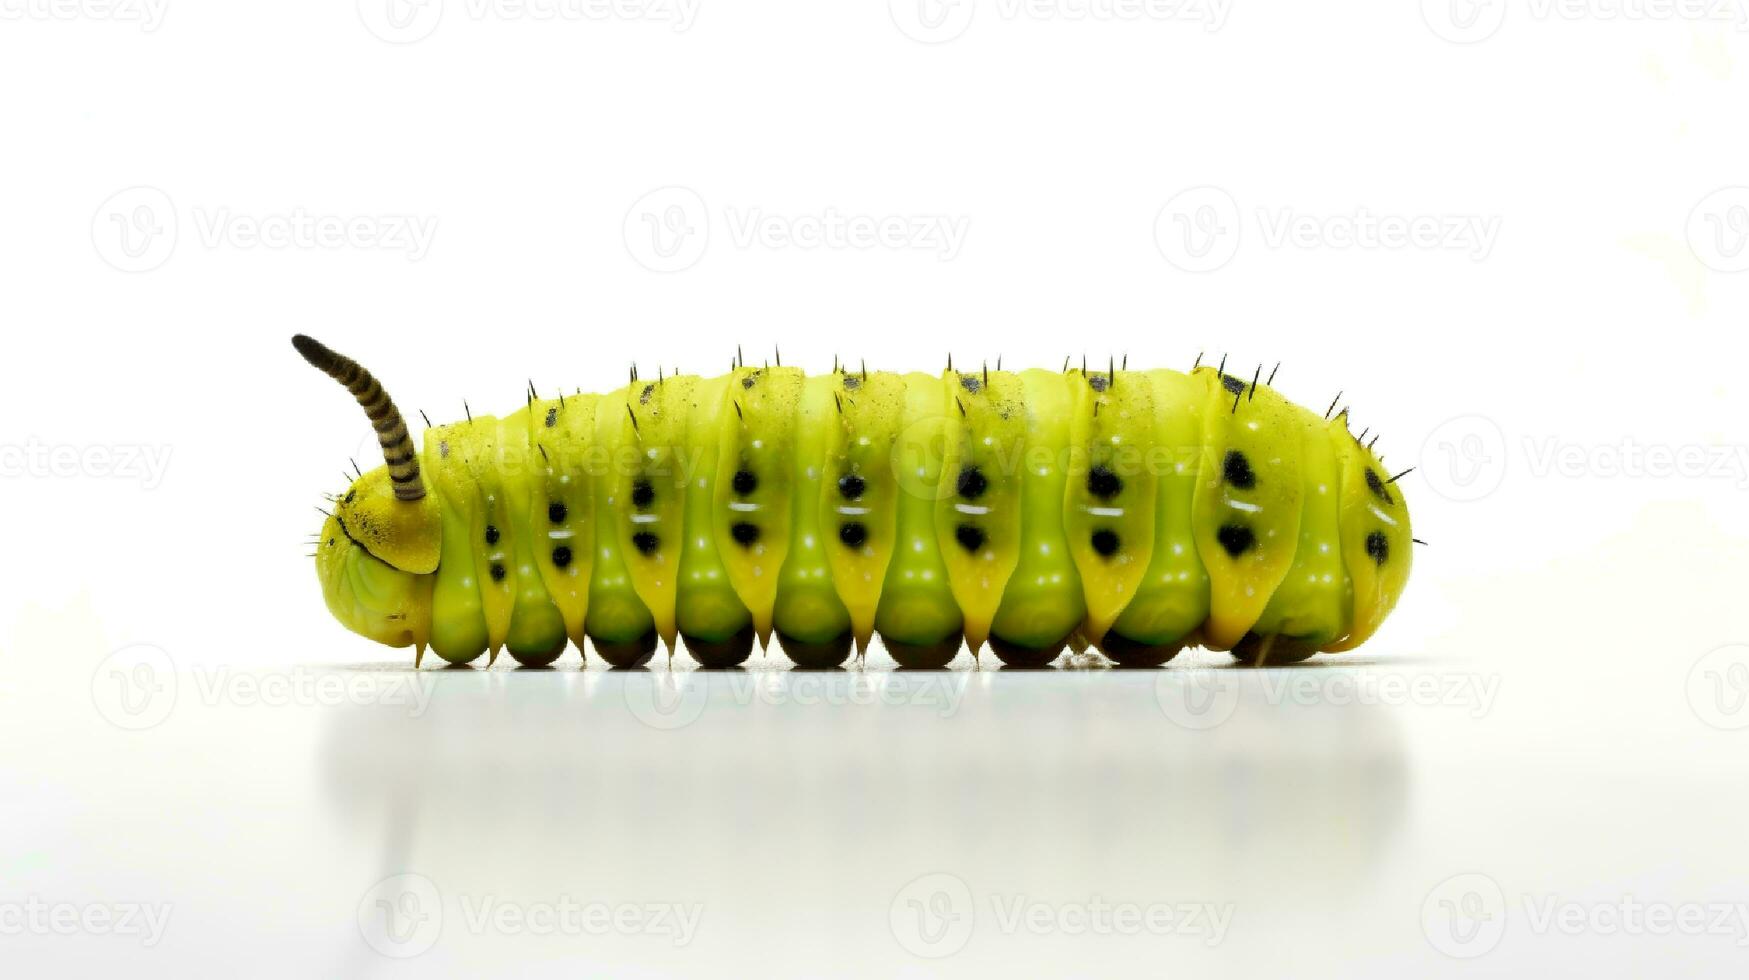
point(372, 820)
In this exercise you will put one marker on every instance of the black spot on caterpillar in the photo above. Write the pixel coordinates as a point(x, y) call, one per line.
point(1378, 547)
point(1105, 542)
point(1017, 509)
point(1103, 483)
point(1236, 539)
point(972, 483)
point(1377, 486)
point(854, 534)
point(970, 536)
point(1236, 470)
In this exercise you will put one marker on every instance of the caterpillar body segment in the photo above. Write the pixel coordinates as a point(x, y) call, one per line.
point(1374, 537)
point(859, 492)
point(1110, 508)
point(752, 515)
point(1171, 602)
point(1246, 510)
point(1140, 512)
point(561, 432)
point(650, 488)
point(811, 620)
point(919, 621)
point(977, 510)
point(1042, 605)
point(619, 625)
point(709, 612)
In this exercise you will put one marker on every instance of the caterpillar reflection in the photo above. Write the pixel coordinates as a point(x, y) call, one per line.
point(1139, 512)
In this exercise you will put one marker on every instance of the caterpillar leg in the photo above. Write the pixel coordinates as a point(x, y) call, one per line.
point(627, 654)
point(731, 651)
point(819, 654)
point(1127, 652)
point(1014, 654)
point(925, 655)
point(1255, 650)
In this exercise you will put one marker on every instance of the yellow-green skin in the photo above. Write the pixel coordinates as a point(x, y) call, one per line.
point(1137, 511)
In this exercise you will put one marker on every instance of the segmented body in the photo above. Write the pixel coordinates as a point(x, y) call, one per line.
point(1139, 511)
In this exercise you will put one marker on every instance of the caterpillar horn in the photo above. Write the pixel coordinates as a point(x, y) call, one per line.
point(391, 429)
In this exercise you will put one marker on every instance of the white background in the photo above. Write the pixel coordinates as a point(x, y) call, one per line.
point(596, 186)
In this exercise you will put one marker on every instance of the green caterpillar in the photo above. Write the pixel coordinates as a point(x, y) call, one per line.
point(1140, 512)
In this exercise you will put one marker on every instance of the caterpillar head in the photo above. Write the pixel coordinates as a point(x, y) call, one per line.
point(379, 549)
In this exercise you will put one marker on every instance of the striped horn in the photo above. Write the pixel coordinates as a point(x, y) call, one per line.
point(392, 433)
